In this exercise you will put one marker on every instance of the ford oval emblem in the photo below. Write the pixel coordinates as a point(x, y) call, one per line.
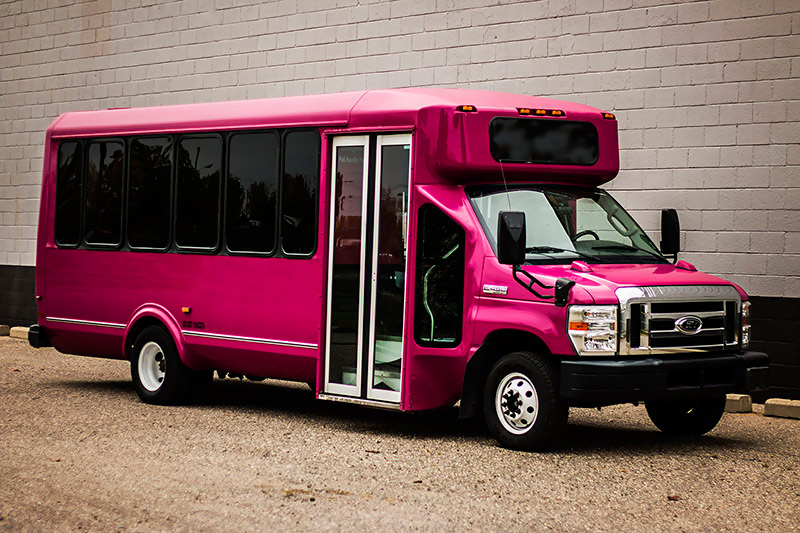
point(689, 325)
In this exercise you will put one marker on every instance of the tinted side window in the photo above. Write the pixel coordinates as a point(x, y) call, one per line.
point(197, 204)
point(68, 194)
point(251, 192)
point(104, 173)
point(439, 279)
point(299, 186)
point(149, 192)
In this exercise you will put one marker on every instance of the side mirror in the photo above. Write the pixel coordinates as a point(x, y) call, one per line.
point(511, 237)
point(670, 233)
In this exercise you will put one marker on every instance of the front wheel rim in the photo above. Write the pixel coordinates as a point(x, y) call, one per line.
point(152, 366)
point(516, 403)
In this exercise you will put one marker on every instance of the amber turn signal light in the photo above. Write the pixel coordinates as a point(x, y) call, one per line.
point(467, 108)
point(540, 112)
point(609, 116)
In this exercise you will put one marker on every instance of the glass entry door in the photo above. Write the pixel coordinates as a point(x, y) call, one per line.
point(367, 266)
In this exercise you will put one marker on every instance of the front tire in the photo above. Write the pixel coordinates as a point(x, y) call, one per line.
point(691, 418)
point(159, 374)
point(521, 403)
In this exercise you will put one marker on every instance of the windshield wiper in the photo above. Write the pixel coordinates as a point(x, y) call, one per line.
point(552, 249)
point(628, 248)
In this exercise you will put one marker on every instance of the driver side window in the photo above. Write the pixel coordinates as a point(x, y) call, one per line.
point(438, 313)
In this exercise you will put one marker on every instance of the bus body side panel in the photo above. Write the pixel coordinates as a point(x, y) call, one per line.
point(244, 314)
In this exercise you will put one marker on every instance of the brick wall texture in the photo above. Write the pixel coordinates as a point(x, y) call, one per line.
point(707, 93)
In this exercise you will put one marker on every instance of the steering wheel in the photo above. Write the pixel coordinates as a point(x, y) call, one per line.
point(584, 233)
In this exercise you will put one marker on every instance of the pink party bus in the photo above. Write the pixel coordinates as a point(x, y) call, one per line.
point(401, 249)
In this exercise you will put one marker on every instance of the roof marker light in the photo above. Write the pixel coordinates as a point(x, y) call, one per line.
point(609, 116)
point(467, 108)
point(540, 112)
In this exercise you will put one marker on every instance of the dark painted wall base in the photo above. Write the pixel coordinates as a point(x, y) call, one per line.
point(17, 295)
point(776, 323)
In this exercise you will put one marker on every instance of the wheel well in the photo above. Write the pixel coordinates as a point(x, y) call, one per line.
point(497, 344)
point(137, 328)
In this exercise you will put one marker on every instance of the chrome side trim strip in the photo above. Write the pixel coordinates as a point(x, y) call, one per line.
point(85, 322)
point(220, 336)
point(360, 401)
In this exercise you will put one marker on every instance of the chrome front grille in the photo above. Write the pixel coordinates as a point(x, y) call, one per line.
point(676, 319)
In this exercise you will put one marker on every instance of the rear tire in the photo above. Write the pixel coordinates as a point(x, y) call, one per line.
point(521, 404)
point(159, 375)
point(692, 418)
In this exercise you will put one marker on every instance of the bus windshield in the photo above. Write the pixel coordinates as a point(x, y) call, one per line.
point(563, 225)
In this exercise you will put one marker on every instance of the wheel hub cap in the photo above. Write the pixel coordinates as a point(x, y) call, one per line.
point(517, 403)
point(152, 366)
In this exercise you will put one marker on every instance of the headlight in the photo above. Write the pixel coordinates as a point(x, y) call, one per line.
point(593, 329)
point(745, 324)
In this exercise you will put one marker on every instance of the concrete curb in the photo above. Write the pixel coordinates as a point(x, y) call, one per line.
point(738, 403)
point(4, 331)
point(19, 332)
point(782, 408)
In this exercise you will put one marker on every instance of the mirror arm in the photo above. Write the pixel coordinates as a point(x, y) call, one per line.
point(530, 282)
point(562, 287)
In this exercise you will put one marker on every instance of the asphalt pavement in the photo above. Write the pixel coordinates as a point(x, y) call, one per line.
point(79, 451)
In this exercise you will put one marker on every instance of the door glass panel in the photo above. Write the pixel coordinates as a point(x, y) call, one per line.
point(389, 289)
point(346, 269)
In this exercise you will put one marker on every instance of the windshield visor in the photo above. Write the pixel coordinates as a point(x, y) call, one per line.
point(563, 225)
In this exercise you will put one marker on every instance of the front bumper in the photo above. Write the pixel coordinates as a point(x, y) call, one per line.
point(611, 381)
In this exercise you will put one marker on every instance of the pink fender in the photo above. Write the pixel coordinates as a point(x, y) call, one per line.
point(165, 317)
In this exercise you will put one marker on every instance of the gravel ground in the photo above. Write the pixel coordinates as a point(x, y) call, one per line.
point(78, 450)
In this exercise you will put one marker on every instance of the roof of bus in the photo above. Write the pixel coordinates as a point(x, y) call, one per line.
point(392, 105)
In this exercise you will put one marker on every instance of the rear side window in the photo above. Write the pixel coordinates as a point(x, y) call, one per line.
point(252, 192)
point(198, 192)
point(104, 178)
point(438, 314)
point(300, 182)
point(149, 186)
point(544, 141)
point(68, 194)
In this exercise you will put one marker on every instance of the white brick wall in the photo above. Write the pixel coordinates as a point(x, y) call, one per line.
point(707, 92)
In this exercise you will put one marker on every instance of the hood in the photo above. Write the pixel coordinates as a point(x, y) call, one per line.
point(605, 279)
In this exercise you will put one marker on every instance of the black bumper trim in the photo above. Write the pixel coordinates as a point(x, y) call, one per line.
point(37, 337)
point(610, 381)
